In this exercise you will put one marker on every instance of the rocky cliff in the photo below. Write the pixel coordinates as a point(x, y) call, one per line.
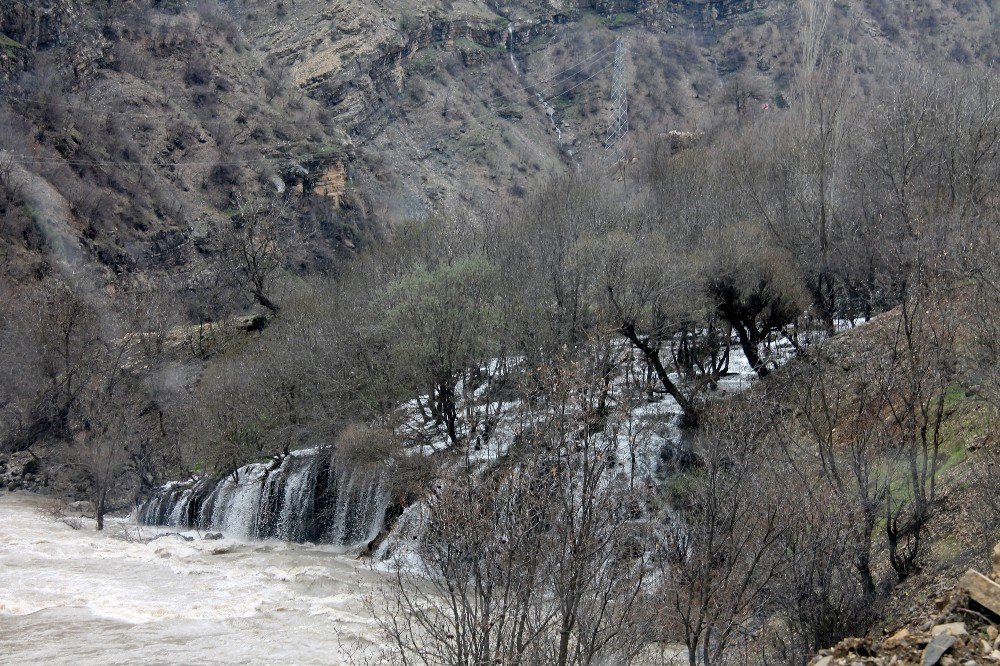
point(147, 116)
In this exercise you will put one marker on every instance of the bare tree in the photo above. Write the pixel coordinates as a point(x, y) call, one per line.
point(649, 292)
point(256, 241)
point(538, 559)
point(116, 420)
point(743, 90)
point(843, 427)
point(915, 383)
point(721, 554)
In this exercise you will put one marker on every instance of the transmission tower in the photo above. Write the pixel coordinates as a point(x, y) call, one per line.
point(618, 118)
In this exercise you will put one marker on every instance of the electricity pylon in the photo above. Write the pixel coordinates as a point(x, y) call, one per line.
point(618, 118)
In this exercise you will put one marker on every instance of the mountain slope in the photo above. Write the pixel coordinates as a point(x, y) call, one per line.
point(147, 118)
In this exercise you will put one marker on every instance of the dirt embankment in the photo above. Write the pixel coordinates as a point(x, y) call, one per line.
point(962, 628)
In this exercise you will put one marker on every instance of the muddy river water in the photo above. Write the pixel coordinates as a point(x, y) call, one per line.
point(77, 596)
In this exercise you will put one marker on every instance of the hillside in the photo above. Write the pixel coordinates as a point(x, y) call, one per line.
point(366, 275)
point(140, 121)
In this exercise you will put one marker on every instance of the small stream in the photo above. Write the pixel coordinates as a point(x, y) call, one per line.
point(550, 110)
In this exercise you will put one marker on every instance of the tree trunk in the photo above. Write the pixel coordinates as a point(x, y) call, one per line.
point(689, 415)
point(863, 565)
point(266, 302)
point(564, 635)
point(99, 510)
point(748, 342)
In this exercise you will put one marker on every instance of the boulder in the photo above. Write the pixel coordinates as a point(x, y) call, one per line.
point(80, 509)
point(900, 636)
point(936, 649)
point(981, 589)
point(955, 629)
point(17, 466)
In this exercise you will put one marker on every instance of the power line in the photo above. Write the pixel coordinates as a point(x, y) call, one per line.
point(568, 90)
point(532, 87)
point(544, 98)
point(430, 137)
point(570, 70)
point(82, 107)
point(567, 72)
point(30, 159)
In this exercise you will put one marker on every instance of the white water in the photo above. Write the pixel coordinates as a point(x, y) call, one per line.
point(550, 111)
point(305, 496)
point(81, 597)
point(510, 47)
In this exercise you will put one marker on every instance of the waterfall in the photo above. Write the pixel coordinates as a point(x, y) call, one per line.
point(510, 47)
point(550, 111)
point(305, 496)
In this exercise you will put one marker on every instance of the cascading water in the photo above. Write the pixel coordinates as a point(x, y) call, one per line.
point(549, 109)
point(305, 496)
point(510, 47)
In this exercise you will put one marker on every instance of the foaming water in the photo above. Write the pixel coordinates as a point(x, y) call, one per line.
point(79, 596)
point(306, 496)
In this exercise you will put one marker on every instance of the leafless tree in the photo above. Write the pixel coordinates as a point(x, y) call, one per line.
point(842, 425)
point(915, 383)
point(256, 241)
point(649, 293)
point(722, 553)
point(538, 559)
point(115, 418)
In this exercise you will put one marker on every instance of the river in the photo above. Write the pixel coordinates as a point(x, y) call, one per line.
point(77, 596)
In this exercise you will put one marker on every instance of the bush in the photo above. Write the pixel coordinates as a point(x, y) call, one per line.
point(198, 71)
point(362, 445)
point(225, 174)
point(131, 60)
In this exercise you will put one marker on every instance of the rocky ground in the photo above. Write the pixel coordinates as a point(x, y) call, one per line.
point(962, 628)
point(18, 470)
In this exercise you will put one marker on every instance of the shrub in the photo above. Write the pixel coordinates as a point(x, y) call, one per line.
point(198, 71)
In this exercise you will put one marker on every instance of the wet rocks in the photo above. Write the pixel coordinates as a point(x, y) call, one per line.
point(18, 470)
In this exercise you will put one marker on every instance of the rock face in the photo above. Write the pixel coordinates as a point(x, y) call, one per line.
point(706, 9)
point(720, 9)
point(331, 183)
point(45, 24)
point(619, 6)
point(350, 55)
point(18, 470)
point(40, 24)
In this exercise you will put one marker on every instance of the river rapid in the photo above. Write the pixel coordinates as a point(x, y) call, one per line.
point(77, 596)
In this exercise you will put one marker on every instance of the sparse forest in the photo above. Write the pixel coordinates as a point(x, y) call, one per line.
point(721, 401)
